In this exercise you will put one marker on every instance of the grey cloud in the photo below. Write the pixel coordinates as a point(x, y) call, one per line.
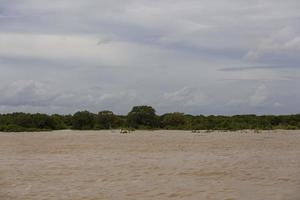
point(165, 53)
point(30, 93)
point(43, 95)
point(233, 69)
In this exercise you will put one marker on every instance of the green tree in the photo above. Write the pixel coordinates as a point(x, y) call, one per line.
point(22, 119)
point(174, 120)
point(43, 121)
point(142, 117)
point(83, 120)
point(59, 121)
point(107, 120)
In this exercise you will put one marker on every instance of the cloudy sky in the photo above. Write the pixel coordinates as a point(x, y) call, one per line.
point(193, 56)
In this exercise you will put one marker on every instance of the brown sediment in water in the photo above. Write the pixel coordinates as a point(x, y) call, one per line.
point(162, 165)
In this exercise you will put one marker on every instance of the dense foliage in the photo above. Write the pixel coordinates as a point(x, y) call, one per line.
point(83, 120)
point(143, 117)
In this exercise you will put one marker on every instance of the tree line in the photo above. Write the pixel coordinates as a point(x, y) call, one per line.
point(143, 117)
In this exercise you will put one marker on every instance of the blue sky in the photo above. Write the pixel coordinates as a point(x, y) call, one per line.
point(194, 56)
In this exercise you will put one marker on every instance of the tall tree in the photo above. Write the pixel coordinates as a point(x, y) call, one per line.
point(83, 120)
point(142, 117)
point(107, 119)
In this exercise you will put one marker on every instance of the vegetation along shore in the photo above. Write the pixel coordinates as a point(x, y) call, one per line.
point(143, 117)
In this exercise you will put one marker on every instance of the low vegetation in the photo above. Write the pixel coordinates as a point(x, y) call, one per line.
point(143, 117)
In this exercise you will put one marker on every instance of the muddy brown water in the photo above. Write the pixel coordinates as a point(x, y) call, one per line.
point(95, 165)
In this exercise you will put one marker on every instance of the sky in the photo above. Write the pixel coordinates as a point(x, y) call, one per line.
point(206, 57)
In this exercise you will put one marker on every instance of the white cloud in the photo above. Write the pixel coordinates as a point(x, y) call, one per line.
point(282, 42)
point(277, 104)
point(260, 96)
point(186, 96)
